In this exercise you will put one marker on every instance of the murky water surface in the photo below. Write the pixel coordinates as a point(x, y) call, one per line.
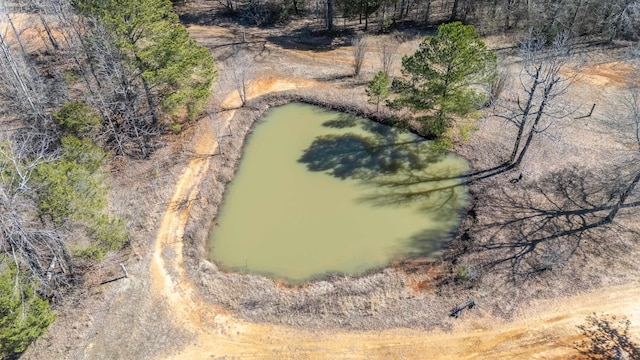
point(320, 191)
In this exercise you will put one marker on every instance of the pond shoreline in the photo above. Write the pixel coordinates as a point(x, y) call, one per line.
point(328, 192)
point(365, 301)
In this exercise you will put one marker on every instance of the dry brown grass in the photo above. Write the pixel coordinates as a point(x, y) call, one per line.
point(411, 294)
point(401, 298)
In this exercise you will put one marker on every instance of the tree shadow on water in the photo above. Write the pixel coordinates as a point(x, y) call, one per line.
point(356, 156)
point(399, 169)
point(427, 243)
point(343, 121)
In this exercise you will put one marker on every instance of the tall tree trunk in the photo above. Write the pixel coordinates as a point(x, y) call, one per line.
point(17, 35)
point(330, 15)
point(17, 75)
point(575, 15)
point(47, 29)
point(454, 11)
point(366, 15)
point(427, 12)
point(534, 127)
point(525, 114)
point(151, 102)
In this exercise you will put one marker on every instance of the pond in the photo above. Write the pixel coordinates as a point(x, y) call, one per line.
point(320, 192)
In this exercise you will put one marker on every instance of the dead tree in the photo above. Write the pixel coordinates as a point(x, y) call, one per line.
point(541, 87)
point(241, 73)
point(218, 129)
point(33, 246)
point(359, 52)
point(119, 96)
point(543, 228)
point(388, 56)
point(24, 97)
point(44, 9)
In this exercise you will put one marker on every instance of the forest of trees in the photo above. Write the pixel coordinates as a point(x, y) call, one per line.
point(605, 20)
point(115, 76)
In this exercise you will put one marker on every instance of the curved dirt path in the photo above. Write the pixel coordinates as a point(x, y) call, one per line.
point(547, 329)
point(169, 278)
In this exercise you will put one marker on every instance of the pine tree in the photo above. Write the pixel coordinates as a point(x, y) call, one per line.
point(438, 80)
point(378, 89)
point(176, 72)
point(23, 315)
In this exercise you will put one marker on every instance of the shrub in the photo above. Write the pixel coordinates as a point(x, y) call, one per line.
point(111, 232)
point(70, 187)
point(462, 273)
point(77, 118)
point(67, 191)
point(91, 252)
point(24, 316)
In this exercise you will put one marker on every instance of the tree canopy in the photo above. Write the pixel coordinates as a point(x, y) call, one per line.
point(23, 315)
point(439, 79)
point(176, 72)
point(378, 89)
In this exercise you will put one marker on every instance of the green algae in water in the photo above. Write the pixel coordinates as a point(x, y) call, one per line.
point(320, 191)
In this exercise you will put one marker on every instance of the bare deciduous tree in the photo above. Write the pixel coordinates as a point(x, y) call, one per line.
point(24, 96)
point(241, 73)
point(219, 130)
point(359, 52)
point(531, 109)
point(543, 227)
point(128, 127)
point(22, 236)
point(388, 56)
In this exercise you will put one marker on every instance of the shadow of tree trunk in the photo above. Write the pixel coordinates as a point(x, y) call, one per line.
point(607, 337)
point(541, 228)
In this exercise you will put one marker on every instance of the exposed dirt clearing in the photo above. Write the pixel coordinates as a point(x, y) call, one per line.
point(181, 297)
point(263, 86)
point(31, 32)
point(607, 74)
point(546, 329)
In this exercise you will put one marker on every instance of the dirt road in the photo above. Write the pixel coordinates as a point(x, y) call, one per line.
point(544, 330)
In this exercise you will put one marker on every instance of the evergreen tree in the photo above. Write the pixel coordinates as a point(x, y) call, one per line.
point(71, 186)
point(76, 118)
point(176, 73)
point(378, 89)
point(439, 79)
point(23, 315)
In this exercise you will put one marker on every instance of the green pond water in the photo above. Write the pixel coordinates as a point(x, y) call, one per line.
point(320, 191)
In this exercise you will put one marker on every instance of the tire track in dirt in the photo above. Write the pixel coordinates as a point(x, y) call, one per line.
point(546, 330)
point(168, 277)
